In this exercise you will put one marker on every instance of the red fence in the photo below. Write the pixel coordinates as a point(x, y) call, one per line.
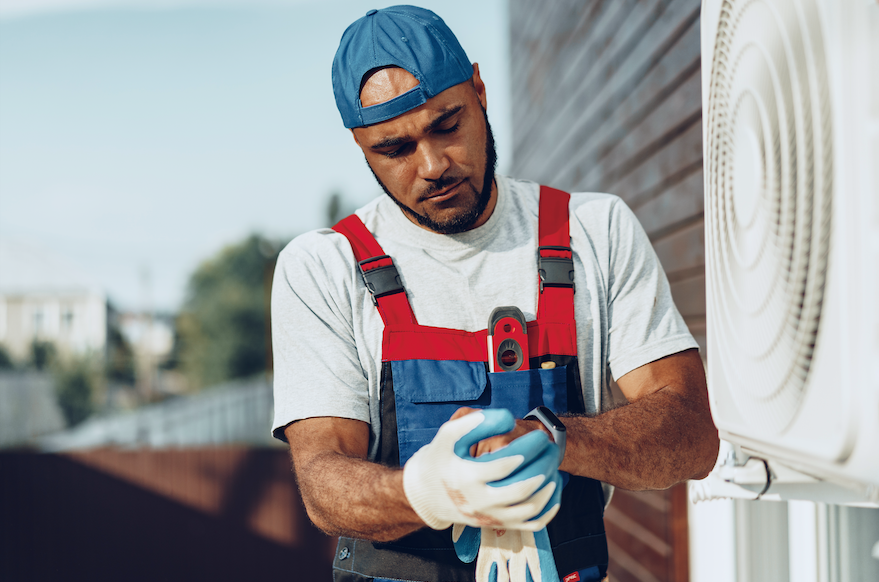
point(198, 514)
point(229, 513)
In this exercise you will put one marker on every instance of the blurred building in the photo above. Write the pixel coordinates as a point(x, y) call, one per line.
point(150, 334)
point(151, 338)
point(45, 298)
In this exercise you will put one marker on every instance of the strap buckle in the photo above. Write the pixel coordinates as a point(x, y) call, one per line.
point(381, 281)
point(555, 271)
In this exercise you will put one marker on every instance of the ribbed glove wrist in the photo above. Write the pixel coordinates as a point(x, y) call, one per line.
point(423, 487)
point(506, 488)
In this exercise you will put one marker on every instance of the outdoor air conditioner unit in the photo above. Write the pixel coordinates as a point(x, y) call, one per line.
point(790, 97)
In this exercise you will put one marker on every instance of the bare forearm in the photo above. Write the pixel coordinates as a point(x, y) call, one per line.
point(353, 497)
point(652, 443)
point(344, 493)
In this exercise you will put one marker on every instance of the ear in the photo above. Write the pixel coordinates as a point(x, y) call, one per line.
point(479, 86)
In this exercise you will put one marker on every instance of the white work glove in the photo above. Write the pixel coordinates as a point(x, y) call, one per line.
point(507, 488)
point(515, 556)
point(506, 555)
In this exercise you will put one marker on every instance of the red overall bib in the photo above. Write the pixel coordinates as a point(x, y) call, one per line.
point(429, 372)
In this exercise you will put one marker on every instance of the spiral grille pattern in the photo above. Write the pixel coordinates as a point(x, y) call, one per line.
point(769, 168)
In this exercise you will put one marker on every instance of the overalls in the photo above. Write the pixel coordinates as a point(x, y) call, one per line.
point(430, 372)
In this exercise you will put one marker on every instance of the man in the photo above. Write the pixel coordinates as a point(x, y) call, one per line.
point(380, 337)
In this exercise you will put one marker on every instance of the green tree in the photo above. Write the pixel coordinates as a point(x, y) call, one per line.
point(43, 354)
point(6, 362)
point(223, 329)
point(75, 385)
point(120, 357)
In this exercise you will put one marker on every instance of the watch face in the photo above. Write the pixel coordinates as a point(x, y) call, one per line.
point(545, 415)
point(552, 418)
point(553, 424)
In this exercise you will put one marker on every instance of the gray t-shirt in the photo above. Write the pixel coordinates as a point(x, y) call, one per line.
point(327, 333)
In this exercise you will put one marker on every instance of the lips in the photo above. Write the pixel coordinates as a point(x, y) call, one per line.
point(444, 194)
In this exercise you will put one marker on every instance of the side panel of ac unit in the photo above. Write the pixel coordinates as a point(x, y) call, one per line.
point(791, 142)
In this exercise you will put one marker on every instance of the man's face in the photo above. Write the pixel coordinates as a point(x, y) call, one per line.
point(437, 160)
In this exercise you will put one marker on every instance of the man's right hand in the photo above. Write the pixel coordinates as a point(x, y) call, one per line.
point(509, 488)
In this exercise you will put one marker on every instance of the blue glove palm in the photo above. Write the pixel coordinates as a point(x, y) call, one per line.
point(466, 541)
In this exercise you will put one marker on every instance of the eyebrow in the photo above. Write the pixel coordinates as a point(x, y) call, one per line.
point(390, 142)
point(447, 113)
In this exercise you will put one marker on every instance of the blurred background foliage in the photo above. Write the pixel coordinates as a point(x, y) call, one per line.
point(78, 379)
point(77, 382)
point(221, 333)
point(43, 353)
point(223, 330)
point(120, 365)
point(6, 361)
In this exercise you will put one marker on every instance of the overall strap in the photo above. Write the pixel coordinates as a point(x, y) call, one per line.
point(555, 262)
point(378, 271)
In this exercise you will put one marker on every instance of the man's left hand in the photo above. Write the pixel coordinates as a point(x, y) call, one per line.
point(498, 442)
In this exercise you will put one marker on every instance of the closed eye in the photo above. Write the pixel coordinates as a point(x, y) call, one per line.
point(452, 129)
point(403, 149)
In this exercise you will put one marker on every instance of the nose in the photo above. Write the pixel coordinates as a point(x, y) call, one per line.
point(434, 162)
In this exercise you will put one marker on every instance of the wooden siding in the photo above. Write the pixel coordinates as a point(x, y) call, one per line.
point(647, 536)
point(606, 96)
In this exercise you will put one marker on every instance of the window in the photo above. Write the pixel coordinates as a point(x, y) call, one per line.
point(67, 319)
point(38, 321)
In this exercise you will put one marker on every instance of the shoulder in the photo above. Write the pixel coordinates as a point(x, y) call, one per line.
point(325, 246)
point(316, 245)
point(317, 259)
point(604, 217)
point(596, 209)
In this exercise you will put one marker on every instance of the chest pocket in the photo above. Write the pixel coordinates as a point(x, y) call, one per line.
point(428, 392)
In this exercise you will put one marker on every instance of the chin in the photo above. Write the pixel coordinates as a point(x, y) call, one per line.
point(456, 215)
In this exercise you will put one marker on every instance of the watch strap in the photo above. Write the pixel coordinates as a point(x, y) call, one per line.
point(552, 423)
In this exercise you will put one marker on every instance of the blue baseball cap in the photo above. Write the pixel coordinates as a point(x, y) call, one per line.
point(412, 38)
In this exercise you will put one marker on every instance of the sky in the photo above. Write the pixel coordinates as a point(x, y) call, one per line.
point(138, 138)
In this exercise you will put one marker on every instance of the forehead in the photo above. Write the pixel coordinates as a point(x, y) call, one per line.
point(420, 118)
point(385, 84)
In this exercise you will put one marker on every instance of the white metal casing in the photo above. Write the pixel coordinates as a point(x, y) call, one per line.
point(824, 421)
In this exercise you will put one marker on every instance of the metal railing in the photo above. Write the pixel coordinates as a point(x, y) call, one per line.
point(237, 412)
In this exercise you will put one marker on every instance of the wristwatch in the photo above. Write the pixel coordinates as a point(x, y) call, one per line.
point(553, 425)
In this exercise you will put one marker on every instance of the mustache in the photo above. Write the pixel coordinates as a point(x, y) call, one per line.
point(441, 184)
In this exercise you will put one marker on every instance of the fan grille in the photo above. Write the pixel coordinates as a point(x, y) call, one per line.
point(769, 164)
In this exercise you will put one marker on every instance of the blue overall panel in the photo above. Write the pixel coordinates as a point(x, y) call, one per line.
point(428, 392)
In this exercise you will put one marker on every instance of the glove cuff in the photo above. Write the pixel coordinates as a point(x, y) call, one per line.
point(420, 488)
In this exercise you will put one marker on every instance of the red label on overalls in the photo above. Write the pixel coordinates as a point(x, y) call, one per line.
point(575, 577)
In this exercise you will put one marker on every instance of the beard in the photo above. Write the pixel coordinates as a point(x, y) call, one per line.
point(467, 217)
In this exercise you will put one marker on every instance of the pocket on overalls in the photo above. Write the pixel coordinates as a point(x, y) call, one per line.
point(522, 391)
point(428, 392)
